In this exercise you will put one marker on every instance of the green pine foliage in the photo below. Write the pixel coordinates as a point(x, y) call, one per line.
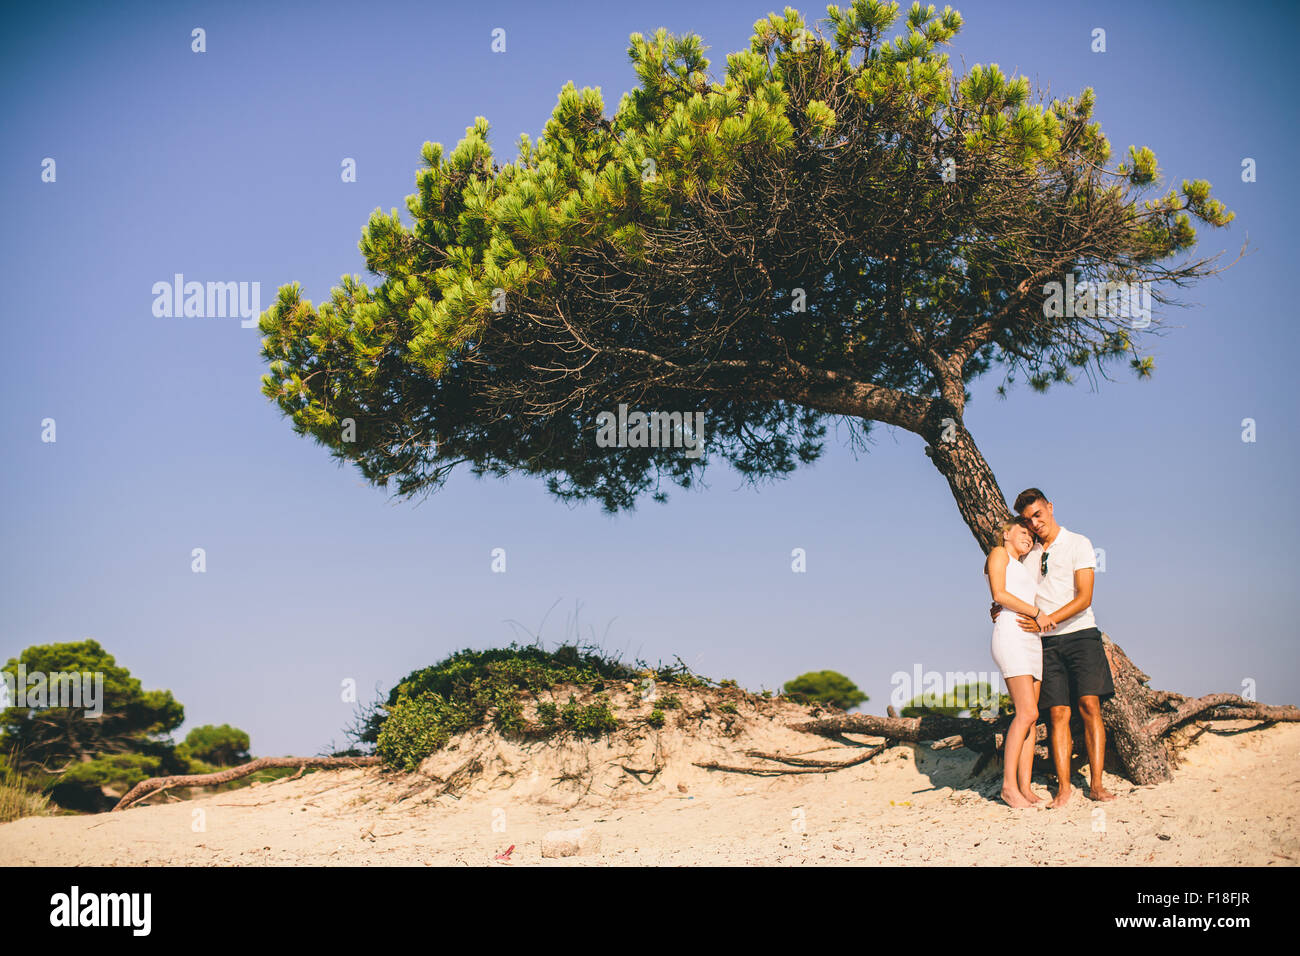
point(654, 253)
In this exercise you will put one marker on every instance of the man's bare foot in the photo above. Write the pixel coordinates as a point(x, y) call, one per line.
point(1014, 798)
point(1061, 799)
point(1099, 792)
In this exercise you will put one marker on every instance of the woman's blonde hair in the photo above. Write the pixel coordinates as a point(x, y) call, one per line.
point(1006, 526)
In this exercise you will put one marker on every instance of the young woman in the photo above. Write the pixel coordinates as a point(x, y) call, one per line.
point(1018, 654)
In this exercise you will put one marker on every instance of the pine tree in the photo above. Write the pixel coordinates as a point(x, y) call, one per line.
point(840, 226)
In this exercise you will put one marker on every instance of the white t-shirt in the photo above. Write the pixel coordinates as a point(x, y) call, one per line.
point(1069, 552)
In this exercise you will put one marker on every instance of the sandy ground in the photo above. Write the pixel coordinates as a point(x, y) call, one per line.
point(1235, 800)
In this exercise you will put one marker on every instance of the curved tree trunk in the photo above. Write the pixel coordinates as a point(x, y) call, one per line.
point(953, 451)
point(1127, 716)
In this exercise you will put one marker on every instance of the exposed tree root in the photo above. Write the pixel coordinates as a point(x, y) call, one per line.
point(1138, 722)
point(796, 764)
point(154, 785)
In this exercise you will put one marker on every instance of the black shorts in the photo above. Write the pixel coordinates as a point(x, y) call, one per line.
point(1074, 666)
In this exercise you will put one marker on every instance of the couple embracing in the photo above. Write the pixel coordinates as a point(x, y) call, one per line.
point(1047, 645)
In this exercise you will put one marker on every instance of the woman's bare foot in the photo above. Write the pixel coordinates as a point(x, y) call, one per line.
point(1014, 798)
point(1061, 798)
point(1031, 796)
point(1099, 792)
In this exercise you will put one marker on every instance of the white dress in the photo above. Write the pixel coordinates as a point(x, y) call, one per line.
point(1017, 651)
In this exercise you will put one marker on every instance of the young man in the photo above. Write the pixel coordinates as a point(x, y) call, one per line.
point(1075, 668)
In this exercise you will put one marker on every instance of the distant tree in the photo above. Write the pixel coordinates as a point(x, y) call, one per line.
point(133, 721)
point(223, 746)
point(81, 760)
point(976, 698)
point(825, 687)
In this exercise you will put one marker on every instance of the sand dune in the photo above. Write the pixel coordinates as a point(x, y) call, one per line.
point(1235, 800)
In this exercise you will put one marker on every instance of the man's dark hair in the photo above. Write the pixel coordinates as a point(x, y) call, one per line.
point(1027, 498)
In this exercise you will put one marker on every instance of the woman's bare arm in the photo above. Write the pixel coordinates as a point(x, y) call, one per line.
point(997, 568)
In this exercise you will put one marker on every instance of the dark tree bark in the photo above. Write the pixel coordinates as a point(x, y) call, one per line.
point(1127, 717)
point(975, 489)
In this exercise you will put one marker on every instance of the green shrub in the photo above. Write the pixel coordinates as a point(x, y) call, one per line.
point(414, 729)
point(975, 698)
point(121, 772)
point(477, 688)
point(591, 719)
point(548, 715)
point(656, 718)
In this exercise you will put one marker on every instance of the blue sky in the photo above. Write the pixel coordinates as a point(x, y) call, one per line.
point(224, 166)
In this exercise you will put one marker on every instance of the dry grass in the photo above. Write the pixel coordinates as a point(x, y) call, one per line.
point(19, 796)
